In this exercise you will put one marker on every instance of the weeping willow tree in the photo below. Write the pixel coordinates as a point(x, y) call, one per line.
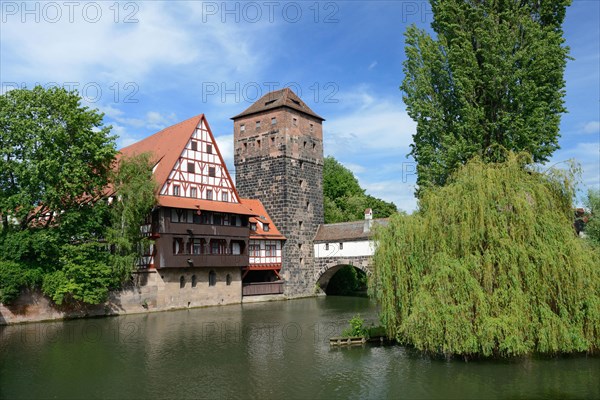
point(490, 266)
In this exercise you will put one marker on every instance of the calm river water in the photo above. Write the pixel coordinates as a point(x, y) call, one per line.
point(277, 350)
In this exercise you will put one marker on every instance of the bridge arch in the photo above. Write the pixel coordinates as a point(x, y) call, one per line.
point(326, 269)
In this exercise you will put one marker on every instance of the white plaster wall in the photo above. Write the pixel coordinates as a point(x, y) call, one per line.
point(350, 249)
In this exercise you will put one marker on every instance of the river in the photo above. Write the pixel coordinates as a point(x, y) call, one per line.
point(276, 350)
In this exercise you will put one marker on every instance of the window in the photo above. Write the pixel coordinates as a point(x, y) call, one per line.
point(175, 190)
point(253, 226)
point(208, 194)
point(257, 124)
point(178, 215)
point(308, 205)
point(314, 146)
point(212, 171)
point(242, 127)
point(196, 246)
point(299, 224)
point(311, 127)
point(224, 196)
point(258, 143)
point(326, 246)
point(305, 144)
point(254, 250)
point(341, 246)
point(194, 145)
point(181, 282)
point(194, 281)
point(193, 192)
point(295, 121)
point(218, 246)
point(212, 278)
point(273, 121)
point(228, 279)
point(177, 245)
point(271, 250)
point(217, 219)
point(272, 139)
point(266, 227)
point(190, 167)
point(209, 148)
point(245, 146)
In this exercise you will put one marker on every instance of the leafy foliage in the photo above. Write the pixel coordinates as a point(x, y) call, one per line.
point(344, 199)
point(58, 229)
point(356, 327)
point(347, 281)
point(592, 228)
point(54, 153)
point(490, 266)
point(491, 79)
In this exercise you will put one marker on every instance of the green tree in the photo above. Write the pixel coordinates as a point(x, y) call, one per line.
point(490, 266)
point(491, 79)
point(54, 154)
point(59, 230)
point(344, 199)
point(592, 228)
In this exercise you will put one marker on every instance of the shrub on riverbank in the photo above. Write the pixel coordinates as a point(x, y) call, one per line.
point(490, 266)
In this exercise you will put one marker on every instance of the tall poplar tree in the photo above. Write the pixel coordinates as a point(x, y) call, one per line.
point(491, 79)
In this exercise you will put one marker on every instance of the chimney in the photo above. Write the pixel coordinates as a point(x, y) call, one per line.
point(368, 220)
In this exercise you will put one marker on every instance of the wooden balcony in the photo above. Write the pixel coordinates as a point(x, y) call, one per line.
point(260, 288)
point(202, 260)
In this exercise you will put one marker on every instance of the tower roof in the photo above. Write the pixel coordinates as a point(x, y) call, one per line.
point(279, 99)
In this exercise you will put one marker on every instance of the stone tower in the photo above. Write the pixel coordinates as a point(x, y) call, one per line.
point(278, 144)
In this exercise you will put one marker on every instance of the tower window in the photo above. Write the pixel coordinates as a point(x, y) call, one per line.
point(299, 224)
point(304, 144)
point(314, 145)
point(242, 127)
point(257, 124)
point(209, 148)
point(190, 167)
point(273, 121)
point(295, 121)
point(211, 171)
point(258, 143)
point(312, 127)
point(245, 146)
point(273, 140)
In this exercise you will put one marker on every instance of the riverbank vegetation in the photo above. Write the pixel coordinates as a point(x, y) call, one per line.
point(490, 266)
point(344, 200)
point(70, 210)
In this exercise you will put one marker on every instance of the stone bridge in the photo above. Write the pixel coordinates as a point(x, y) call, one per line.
point(341, 244)
point(327, 267)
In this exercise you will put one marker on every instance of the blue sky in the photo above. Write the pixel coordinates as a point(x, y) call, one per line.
point(148, 65)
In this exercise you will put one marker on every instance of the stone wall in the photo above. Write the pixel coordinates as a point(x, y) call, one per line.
point(151, 290)
point(281, 164)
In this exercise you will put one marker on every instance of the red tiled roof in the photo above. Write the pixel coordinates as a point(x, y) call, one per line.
point(207, 205)
point(261, 215)
point(166, 147)
point(276, 99)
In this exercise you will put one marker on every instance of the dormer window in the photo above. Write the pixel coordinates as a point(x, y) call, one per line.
point(253, 226)
point(266, 227)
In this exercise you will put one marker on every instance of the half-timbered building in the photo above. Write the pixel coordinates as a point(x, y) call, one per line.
point(200, 227)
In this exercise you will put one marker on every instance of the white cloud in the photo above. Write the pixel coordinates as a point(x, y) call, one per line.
point(396, 191)
point(225, 144)
point(592, 127)
point(372, 65)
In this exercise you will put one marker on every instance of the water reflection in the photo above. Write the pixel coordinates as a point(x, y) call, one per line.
point(268, 350)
